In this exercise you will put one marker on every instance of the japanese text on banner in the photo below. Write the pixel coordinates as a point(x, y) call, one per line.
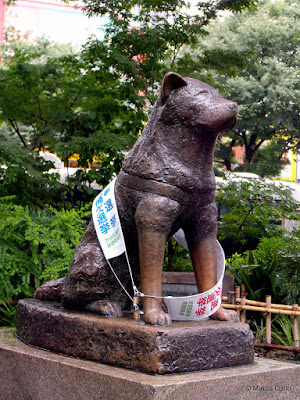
point(107, 222)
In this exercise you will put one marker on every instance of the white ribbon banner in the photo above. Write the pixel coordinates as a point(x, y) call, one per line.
point(199, 306)
point(107, 222)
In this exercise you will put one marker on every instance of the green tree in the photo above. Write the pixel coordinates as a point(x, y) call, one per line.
point(24, 175)
point(145, 39)
point(268, 160)
point(63, 97)
point(250, 209)
point(67, 104)
point(267, 90)
point(28, 101)
point(93, 103)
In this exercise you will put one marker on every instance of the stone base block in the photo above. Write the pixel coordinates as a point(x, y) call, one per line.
point(123, 342)
point(30, 373)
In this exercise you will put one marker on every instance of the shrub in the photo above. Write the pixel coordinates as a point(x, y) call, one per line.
point(253, 209)
point(35, 246)
point(272, 268)
point(176, 257)
point(25, 175)
point(281, 330)
point(282, 254)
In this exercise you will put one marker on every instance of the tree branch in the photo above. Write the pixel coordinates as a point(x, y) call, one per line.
point(76, 97)
point(258, 145)
point(176, 52)
point(16, 129)
point(244, 137)
point(237, 132)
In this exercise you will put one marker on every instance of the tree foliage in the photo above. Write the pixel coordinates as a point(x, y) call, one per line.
point(250, 209)
point(24, 175)
point(262, 254)
point(68, 104)
point(145, 39)
point(93, 103)
point(267, 90)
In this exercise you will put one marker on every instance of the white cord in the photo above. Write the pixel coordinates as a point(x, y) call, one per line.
point(121, 284)
point(137, 292)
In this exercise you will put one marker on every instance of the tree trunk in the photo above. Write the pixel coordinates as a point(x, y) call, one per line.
point(227, 164)
point(248, 154)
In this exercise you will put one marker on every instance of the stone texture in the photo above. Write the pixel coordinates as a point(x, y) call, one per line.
point(30, 373)
point(183, 347)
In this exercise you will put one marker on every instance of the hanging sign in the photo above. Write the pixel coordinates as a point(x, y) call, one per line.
point(202, 305)
point(107, 222)
point(109, 232)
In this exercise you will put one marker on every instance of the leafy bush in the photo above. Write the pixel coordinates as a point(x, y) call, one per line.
point(7, 313)
point(259, 280)
point(34, 246)
point(259, 330)
point(24, 175)
point(253, 209)
point(282, 254)
point(176, 257)
point(272, 268)
point(281, 330)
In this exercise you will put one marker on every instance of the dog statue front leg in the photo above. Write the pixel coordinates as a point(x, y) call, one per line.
point(154, 217)
point(204, 259)
point(151, 251)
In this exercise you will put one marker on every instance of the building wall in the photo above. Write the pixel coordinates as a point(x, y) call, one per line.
point(292, 170)
point(53, 19)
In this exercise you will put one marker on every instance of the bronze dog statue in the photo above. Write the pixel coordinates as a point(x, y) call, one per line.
point(166, 183)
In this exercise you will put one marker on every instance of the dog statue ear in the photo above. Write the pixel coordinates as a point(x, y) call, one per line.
point(171, 82)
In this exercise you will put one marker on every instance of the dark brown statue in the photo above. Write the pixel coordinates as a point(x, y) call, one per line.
point(166, 183)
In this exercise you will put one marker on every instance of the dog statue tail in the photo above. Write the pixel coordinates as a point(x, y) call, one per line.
point(50, 291)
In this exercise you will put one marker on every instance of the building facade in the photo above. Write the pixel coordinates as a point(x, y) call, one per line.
point(52, 19)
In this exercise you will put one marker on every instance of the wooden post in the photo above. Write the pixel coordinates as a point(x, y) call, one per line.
point(296, 327)
point(268, 321)
point(243, 312)
point(243, 289)
point(238, 294)
point(231, 297)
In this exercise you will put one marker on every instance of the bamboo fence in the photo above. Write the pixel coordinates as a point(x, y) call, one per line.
point(237, 300)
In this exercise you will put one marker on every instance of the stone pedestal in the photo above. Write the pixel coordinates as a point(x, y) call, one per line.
point(123, 342)
point(30, 373)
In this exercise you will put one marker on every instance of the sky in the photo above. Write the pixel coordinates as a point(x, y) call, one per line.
point(54, 20)
point(57, 20)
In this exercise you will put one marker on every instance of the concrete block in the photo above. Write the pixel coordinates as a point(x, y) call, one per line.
point(27, 373)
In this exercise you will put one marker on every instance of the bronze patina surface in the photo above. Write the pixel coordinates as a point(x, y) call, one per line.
point(166, 183)
point(123, 342)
